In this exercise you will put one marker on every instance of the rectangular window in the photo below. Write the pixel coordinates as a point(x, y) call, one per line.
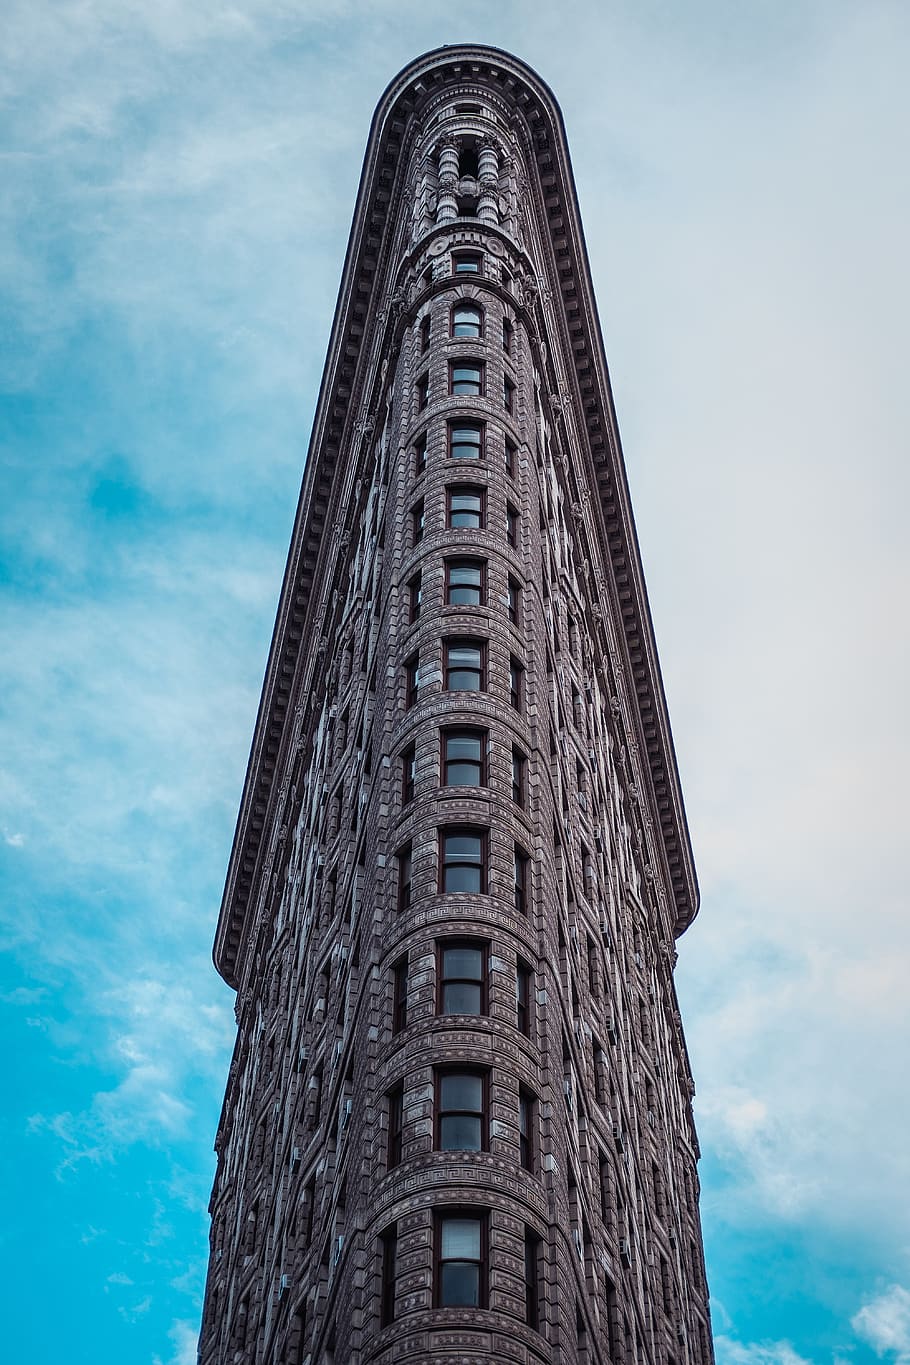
point(418, 522)
point(467, 320)
point(389, 1241)
point(404, 877)
point(466, 440)
point(465, 665)
point(461, 1124)
point(467, 263)
point(465, 582)
point(514, 600)
point(395, 1099)
point(462, 861)
point(408, 768)
point(508, 394)
point(420, 454)
point(463, 758)
point(516, 684)
point(511, 456)
point(532, 1279)
point(522, 866)
point(460, 1259)
point(507, 336)
point(527, 1114)
point(425, 325)
point(461, 973)
point(465, 508)
point(400, 994)
point(422, 389)
point(411, 681)
point(523, 980)
point(413, 599)
point(519, 771)
point(466, 379)
point(512, 526)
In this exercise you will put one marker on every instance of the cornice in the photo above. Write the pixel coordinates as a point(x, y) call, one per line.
point(349, 374)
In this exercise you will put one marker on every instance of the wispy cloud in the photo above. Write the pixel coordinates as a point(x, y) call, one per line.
point(885, 1323)
point(731, 1352)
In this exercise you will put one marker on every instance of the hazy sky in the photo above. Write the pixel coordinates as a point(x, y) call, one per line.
point(177, 186)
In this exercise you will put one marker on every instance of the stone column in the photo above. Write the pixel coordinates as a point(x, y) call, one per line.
point(488, 177)
point(447, 204)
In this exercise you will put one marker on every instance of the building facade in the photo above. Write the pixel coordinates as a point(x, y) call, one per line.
point(458, 1121)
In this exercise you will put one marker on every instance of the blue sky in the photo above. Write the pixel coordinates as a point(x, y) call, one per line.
point(178, 186)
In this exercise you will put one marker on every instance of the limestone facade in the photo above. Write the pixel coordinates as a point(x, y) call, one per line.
point(458, 1123)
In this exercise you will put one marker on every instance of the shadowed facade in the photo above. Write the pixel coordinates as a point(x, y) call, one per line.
point(458, 1120)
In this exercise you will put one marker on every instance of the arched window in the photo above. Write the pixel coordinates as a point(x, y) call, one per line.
point(467, 320)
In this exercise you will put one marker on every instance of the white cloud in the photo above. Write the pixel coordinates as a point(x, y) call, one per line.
point(730, 1352)
point(185, 1336)
point(884, 1322)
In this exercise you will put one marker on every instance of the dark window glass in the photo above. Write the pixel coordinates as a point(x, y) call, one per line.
point(511, 453)
point(417, 522)
point(463, 860)
point(462, 978)
point(460, 1276)
point(414, 599)
point(465, 379)
point(465, 582)
point(396, 1118)
point(526, 1117)
point(522, 863)
point(532, 1279)
point(465, 507)
point(460, 1111)
point(467, 320)
point(523, 998)
point(420, 453)
point(466, 440)
point(423, 392)
point(400, 994)
point(514, 601)
point(507, 336)
point(508, 395)
point(467, 263)
point(389, 1242)
point(425, 325)
point(516, 684)
point(408, 766)
point(519, 767)
point(411, 680)
point(465, 666)
point(512, 525)
point(463, 758)
point(404, 877)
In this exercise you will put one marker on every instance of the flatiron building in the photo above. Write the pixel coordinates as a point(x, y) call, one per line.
point(458, 1122)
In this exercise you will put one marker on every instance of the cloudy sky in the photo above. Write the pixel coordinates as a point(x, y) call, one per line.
point(178, 180)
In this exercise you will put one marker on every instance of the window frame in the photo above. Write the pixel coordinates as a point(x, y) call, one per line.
point(513, 526)
point(522, 881)
point(524, 992)
point(480, 946)
point(480, 832)
point(516, 684)
point(420, 449)
point(527, 1128)
point(510, 457)
point(394, 1136)
point(463, 732)
point(519, 777)
point(414, 587)
point(469, 363)
point(513, 601)
point(508, 336)
point(465, 562)
point(458, 268)
point(533, 1245)
point(464, 642)
point(441, 1073)
point(418, 521)
point(425, 328)
point(509, 389)
point(404, 860)
point(411, 681)
point(388, 1274)
point(466, 424)
point(466, 304)
point(400, 995)
point(465, 490)
point(422, 391)
point(474, 1215)
point(408, 757)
